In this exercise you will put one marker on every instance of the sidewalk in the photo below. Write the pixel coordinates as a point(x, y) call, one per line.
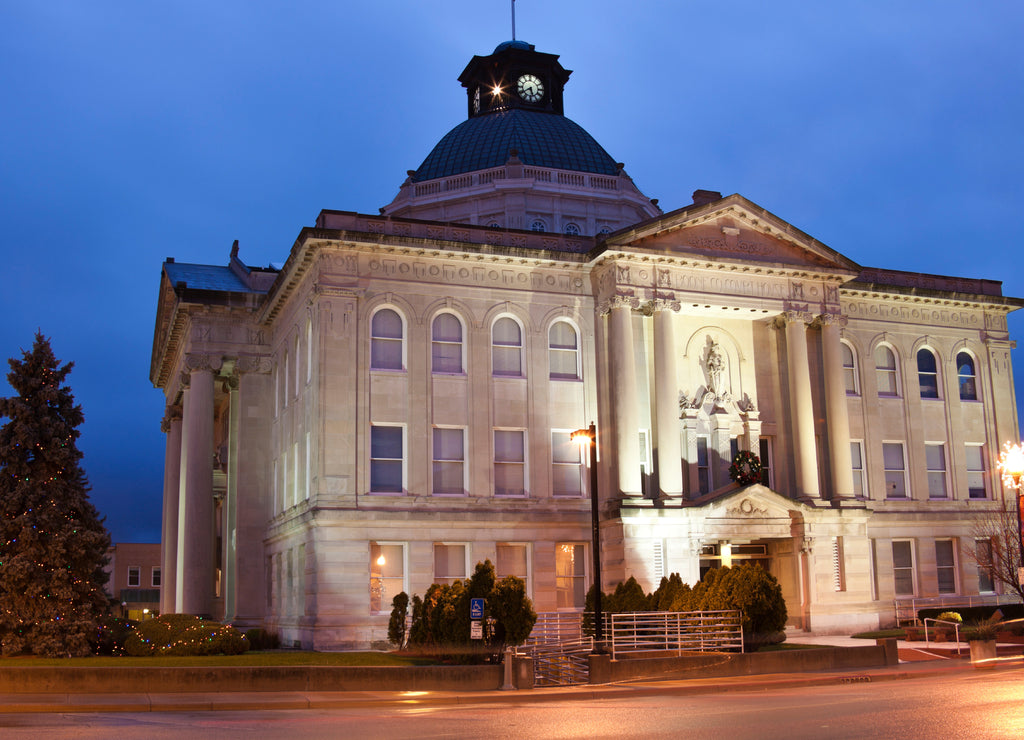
point(251, 701)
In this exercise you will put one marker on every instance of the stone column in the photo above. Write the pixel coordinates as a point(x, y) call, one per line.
point(230, 524)
point(804, 447)
point(171, 426)
point(625, 411)
point(250, 466)
point(195, 521)
point(836, 411)
point(666, 394)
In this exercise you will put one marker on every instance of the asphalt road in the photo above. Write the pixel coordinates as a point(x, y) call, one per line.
point(973, 704)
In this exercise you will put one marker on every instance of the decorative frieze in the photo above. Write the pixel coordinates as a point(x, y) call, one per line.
point(960, 318)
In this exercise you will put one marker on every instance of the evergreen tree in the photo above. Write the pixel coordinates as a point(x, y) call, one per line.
point(53, 543)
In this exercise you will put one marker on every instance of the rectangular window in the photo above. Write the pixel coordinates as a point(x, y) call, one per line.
point(857, 461)
point(308, 465)
point(449, 563)
point(566, 465)
point(945, 566)
point(895, 470)
point(570, 575)
point(509, 462)
point(903, 567)
point(134, 576)
point(764, 445)
point(935, 459)
point(703, 465)
point(155, 577)
point(387, 574)
point(300, 589)
point(513, 559)
point(295, 473)
point(986, 568)
point(975, 471)
point(386, 459)
point(734, 448)
point(449, 461)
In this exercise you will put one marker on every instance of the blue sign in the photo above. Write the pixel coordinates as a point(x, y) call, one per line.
point(476, 608)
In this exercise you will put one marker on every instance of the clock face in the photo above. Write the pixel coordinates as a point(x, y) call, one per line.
point(530, 88)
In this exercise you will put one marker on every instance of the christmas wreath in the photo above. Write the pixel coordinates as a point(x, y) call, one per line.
point(745, 468)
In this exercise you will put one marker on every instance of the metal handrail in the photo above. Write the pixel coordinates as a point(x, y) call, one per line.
point(956, 630)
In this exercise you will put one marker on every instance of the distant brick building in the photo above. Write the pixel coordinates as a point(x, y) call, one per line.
point(134, 581)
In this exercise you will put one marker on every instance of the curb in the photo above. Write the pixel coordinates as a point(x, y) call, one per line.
point(250, 701)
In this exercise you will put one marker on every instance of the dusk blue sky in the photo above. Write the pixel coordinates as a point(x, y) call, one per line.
point(135, 131)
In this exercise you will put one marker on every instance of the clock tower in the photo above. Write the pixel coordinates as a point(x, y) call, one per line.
point(514, 76)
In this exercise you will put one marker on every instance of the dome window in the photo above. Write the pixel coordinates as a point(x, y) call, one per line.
point(538, 225)
point(572, 229)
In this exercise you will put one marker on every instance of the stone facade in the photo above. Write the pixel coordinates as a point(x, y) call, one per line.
point(394, 405)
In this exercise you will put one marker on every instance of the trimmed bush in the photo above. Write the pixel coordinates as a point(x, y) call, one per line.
point(183, 634)
point(111, 635)
point(260, 639)
point(441, 624)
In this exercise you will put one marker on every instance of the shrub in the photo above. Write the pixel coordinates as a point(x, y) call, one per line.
point(399, 613)
point(950, 617)
point(441, 624)
point(183, 634)
point(260, 639)
point(111, 635)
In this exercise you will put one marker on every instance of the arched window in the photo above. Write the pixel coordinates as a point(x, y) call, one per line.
point(885, 371)
point(507, 347)
point(572, 229)
point(849, 370)
point(493, 225)
point(446, 344)
point(538, 225)
point(386, 340)
point(563, 351)
point(927, 374)
point(967, 377)
point(604, 230)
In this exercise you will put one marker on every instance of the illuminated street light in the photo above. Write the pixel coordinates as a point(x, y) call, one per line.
point(1011, 466)
point(589, 437)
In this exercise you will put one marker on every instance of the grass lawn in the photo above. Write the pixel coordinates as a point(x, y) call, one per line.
point(268, 658)
point(878, 634)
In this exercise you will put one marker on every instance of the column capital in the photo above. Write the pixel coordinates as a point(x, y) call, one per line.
point(665, 303)
point(618, 301)
point(831, 319)
point(171, 415)
point(202, 361)
point(792, 316)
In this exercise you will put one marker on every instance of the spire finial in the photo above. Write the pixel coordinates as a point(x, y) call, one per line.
point(513, 20)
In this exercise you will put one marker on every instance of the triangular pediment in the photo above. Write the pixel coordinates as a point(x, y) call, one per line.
point(729, 230)
point(753, 512)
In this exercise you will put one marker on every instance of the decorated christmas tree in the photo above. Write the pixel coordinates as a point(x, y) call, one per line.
point(52, 542)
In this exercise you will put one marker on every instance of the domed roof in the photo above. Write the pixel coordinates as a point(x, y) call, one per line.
point(540, 139)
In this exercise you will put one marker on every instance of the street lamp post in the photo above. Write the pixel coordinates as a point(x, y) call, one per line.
point(1011, 465)
point(589, 437)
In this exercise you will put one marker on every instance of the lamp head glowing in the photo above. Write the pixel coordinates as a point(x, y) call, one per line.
point(381, 560)
point(581, 437)
point(1011, 465)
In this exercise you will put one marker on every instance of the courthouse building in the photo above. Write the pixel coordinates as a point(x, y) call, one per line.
point(394, 404)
